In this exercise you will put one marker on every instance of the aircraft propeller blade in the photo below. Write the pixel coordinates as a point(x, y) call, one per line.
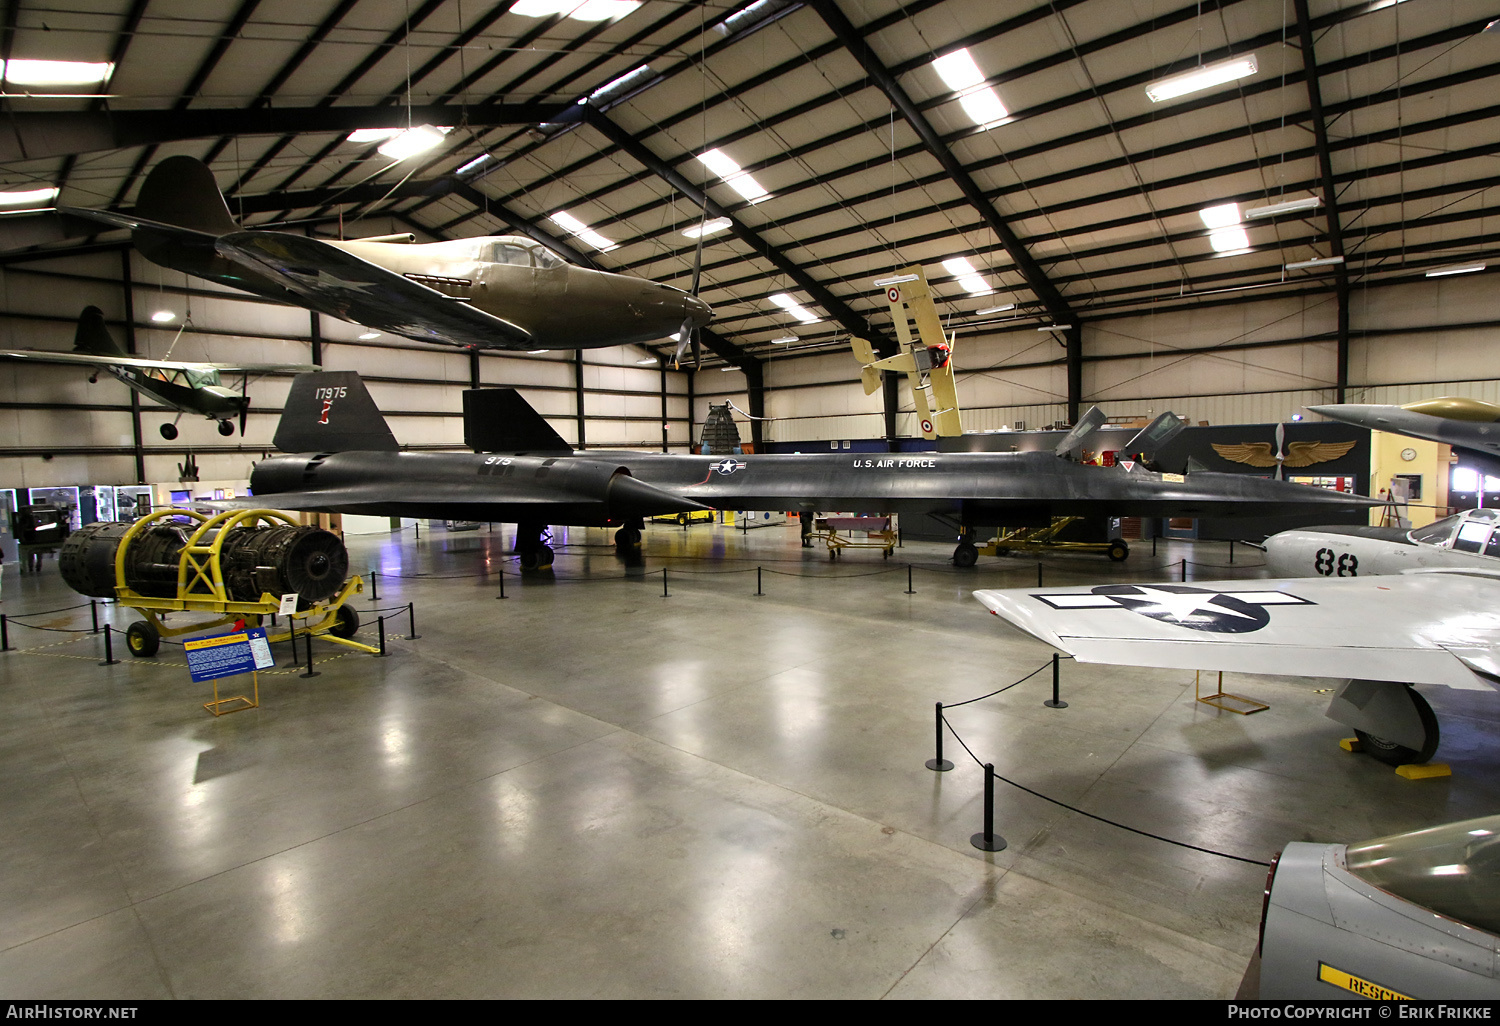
point(1280, 450)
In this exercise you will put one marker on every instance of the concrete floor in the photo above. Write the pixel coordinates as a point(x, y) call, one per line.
point(590, 790)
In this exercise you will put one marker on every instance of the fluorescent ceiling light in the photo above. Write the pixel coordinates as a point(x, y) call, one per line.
point(1056, 327)
point(1318, 262)
point(413, 141)
point(959, 73)
point(898, 279)
point(721, 164)
point(1229, 240)
point(1459, 269)
point(535, 352)
point(369, 135)
point(369, 335)
point(958, 70)
point(646, 362)
point(1222, 216)
point(570, 224)
point(967, 277)
point(471, 165)
point(995, 309)
point(28, 197)
point(718, 224)
point(1202, 78)
point(783, 340)
point(163, 316)
point(1289, 207)
point(589, 10)
point(726, 370)
point(56, 73)
point(794, 308)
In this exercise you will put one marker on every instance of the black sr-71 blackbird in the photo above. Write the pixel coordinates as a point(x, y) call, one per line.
point(342, 458)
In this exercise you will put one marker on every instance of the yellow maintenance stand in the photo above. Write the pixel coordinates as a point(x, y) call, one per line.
point(177, 560)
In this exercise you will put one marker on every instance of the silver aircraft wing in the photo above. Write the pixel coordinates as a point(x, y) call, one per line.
point(1425, 627)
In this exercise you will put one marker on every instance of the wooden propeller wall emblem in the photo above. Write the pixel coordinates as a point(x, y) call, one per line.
point(1297, 454)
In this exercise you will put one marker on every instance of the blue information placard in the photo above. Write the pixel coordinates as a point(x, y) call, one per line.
point(228, 654)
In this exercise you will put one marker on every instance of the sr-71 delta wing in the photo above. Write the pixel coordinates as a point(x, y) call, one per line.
point(182, 386)
point(499, 292)
point(1439, 627)
point(347, 461)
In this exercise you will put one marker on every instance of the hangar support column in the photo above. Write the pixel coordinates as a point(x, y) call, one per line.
point(128, 284)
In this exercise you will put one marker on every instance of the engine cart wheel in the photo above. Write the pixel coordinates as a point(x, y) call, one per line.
point(142, 639)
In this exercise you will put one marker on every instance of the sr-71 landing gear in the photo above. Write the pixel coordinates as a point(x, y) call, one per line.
point(534, 554)
point(965, 554)
point(629, 536)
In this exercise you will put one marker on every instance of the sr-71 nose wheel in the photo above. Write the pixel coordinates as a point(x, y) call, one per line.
point(965, 554)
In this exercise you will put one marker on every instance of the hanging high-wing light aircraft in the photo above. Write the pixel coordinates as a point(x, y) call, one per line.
point(526, 474)
point(496, 292)
point(1434, 626)
point(185, 387)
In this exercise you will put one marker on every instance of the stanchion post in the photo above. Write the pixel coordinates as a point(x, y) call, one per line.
point(988, 840)
point(1231, 550)
point(291, 624)
point(502, 584)
point(939, 764)
point(4, 634)
point(909, 590)
point(380, 624)
point(757, 581)
point(663, 582)
point(109, 649)
point(1055, 702)
point(411, 621)
point(307, 644)
point(1153, 546)
point(1039, 573)
point(1184, 569)
point(94, 612)
point(374, 587)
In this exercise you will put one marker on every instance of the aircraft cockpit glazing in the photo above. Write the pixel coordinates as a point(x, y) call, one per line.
point(1453, 869)
point(512, 251)
point(1470, 531)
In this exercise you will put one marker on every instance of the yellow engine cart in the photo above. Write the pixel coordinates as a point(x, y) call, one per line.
point(1045, 539)
point(878, 534)
point(201, 587)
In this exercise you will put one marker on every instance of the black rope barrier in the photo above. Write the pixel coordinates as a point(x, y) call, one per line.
point(1102, 819)
point(44, 612)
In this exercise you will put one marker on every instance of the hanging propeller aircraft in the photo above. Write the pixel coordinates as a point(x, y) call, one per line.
point(181, 386)
point(494, 292)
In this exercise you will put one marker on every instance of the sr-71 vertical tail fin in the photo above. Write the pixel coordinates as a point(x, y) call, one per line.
point(332, 412)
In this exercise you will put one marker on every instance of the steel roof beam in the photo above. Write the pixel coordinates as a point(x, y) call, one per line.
point(30, 135)
point(841, 311)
